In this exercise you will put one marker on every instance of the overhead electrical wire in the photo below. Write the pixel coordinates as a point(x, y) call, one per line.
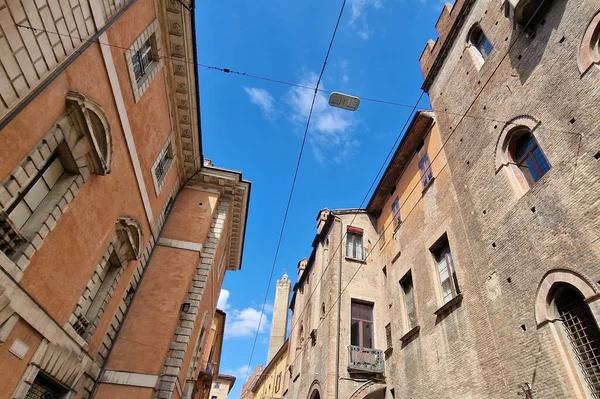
point(418, 183)
point(316, 91)
point(281, 82)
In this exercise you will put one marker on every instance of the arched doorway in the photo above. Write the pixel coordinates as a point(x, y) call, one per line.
point(315, 395)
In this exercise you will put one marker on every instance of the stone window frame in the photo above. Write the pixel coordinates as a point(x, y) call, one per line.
point(152, 33)
point(589, 49)
point(476, 55)
point(127, 244)
point(503, 157)
point(548, 320)
point(59, 363)
point(168, 147)
point(84, 147)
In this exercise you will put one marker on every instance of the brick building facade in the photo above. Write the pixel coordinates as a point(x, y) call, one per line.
point(115, 232)
point(477, 273)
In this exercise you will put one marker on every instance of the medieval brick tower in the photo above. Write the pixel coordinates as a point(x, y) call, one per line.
point(280, 316)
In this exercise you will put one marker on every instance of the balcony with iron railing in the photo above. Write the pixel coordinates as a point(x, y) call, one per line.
point(365, 360)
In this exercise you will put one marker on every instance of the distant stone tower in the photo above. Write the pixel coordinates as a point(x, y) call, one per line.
point(280, 316)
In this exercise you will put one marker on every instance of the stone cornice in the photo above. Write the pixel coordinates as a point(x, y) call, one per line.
point(178, 40)
point(228, 183)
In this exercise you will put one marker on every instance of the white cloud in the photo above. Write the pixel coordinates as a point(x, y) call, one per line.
point(245, 322)
point(330, 133)
point(223, 303)
point(358, 16)
point(262, 98)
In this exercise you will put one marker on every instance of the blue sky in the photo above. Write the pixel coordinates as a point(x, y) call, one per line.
point(256, 126)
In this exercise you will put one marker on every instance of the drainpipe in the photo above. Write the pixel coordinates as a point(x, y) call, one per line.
point(339, 314)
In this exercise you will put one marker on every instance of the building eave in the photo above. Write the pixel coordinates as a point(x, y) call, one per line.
point(418, 129)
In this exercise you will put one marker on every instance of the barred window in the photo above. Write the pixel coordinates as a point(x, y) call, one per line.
point(583, 335)
point(44, 388)
point(142, 60)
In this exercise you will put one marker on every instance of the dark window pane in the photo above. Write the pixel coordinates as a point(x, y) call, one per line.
point(354, 333)
point(362, 311)
point(367, 335)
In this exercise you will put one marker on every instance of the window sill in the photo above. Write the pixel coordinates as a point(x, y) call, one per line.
point(449, 306)
point(395, 258)
point(412, 333)
point(429, 184)
point(351, 259)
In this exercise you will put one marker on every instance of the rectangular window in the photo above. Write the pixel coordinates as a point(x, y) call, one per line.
point(361, 328)
point(396, 213)
point(445, 266)
point(44, 387)
point(409, 302)
point(161, 168)
point(388, 335)
point(142, 59)
point(354, 247)
point(425, 169)
point(30, 199)
point(99, 295)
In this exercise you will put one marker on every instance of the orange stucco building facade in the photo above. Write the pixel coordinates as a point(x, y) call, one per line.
point(115, 232)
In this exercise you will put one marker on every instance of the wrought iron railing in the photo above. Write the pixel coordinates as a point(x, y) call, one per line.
point(365, 360)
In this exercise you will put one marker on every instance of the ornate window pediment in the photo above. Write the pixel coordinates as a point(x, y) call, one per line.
point(92, 124)
point(130, 237)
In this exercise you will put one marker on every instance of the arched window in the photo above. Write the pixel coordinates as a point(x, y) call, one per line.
point(589, 49)
point(520, 155)
point(480, 42)
point(528, 157)
point(582, 333)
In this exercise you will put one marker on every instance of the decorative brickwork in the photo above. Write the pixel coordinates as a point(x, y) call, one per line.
point(181, 340)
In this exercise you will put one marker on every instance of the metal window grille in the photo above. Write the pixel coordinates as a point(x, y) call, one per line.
point(81, 325)
point(584, 336)
point(142, 60)
point(161, 168)
point(41, 389)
